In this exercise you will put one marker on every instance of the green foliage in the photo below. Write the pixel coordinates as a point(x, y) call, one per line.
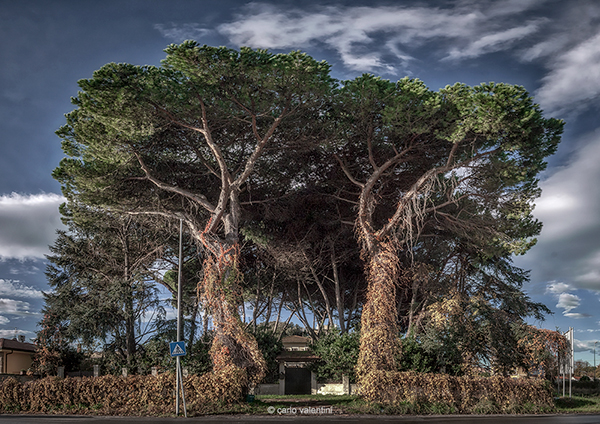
point(338, 355)
point(154, 352)
point(100, 272)
point(271, 346)
point(415, 357)
point(271, 147)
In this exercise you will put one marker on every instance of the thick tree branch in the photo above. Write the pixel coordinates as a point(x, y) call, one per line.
point(250, 163)
point(347, 172)
point(414, 191)
point(199, 199)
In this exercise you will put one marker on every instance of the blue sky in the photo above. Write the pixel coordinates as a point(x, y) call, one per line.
point(552, 47)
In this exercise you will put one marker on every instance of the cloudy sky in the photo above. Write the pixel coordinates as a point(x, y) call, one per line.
point(552, 47)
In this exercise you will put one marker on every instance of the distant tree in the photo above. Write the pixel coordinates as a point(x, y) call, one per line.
point(581, 369)
point(190, 303)
point(54, 348)
point(154, 352)
point(316, 254)
point(101, 274)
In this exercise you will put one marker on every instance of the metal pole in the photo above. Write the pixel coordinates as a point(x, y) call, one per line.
point(179, 289)
point(182, 390)
point(178, 381)
point(564, 371)
point(595, 343)
point(572, 360)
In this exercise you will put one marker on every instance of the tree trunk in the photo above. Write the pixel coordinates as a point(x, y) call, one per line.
point(130, 344)
point(221, 292)
point(256, 307)
point(352, 310)
point(193, 323)
point(379, 339)
point(276, 326)
point(270, 302)
point(322, 290)
point(338, 292)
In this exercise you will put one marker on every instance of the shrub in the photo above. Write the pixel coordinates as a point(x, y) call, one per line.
point(133, 395)
point(465, 394)
point(338, 355)
point(270, 346)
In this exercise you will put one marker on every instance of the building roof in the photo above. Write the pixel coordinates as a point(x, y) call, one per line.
point(295, 339)
point(17, 345)
point(297, 356)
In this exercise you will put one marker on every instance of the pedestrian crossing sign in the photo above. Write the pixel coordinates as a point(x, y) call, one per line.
point(177, 348)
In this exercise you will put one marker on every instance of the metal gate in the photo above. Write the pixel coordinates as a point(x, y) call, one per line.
point(297, 381)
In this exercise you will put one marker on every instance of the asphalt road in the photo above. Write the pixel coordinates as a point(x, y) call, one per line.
point(314, 419)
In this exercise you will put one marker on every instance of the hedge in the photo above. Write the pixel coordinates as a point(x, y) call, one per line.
point(132, 395)
point(466, 394)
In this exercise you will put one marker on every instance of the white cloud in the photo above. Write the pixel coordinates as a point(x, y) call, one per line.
point(548, 47)
point(568, 302)
point(9, 334)
point(569, 207)
point(355, 32)
point(572, 83)
point(28, 224)
point(15, 289)
point(576, 315)
point(568, 189)
point(19, 269)
point(180, 33)
point(494, 42)
point(4, 320)
point(510, 7)
point(557, 288)
point(583, 345)
point(15, 307)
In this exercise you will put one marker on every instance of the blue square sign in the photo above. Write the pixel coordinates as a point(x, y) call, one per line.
point(177, 348)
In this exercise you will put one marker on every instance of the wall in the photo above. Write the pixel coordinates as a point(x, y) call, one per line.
point(267, 389)
point(17, 361)
point(333, 389)
point(320, 389)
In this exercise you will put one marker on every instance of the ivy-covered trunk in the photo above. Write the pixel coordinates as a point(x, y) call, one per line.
point(379, 339)
point(221, 294)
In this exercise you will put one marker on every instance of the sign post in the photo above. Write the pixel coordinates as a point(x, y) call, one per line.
point(177, 348)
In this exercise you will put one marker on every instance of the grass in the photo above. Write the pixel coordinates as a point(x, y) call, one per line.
point(266, 404)
point(348, 404)
point(578, 404)
point(355, 405)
